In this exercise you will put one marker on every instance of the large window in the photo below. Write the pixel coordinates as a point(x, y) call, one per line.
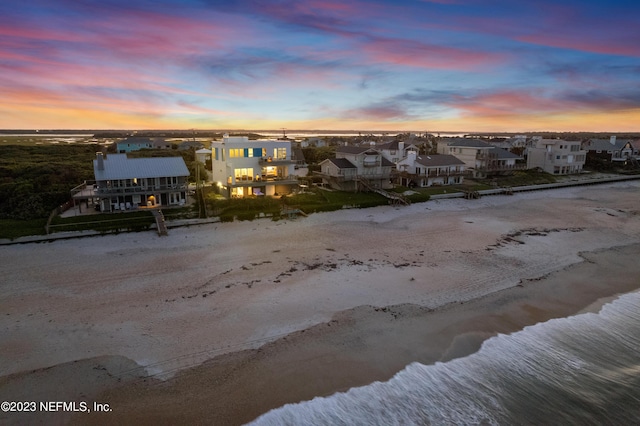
point(280, 153)
point(236, 152)
point(244, 174)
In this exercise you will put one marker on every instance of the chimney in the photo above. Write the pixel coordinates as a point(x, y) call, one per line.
point(401, 147)
point(100, 160)
point(612, 141)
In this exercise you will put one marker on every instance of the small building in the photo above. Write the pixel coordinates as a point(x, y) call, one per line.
point(123, 183)
point(428, 170)
point(355, 167)
point(313, 142)
point(243, 167)
point(556, 156)
point(137, 143)
point(203, 155)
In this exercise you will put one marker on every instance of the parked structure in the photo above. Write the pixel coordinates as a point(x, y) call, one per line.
point(480, 158)
point(123, 183)
point(428, 170)
point(556, 156)
point(356, 167)
point(137, 143)
point(243, 167)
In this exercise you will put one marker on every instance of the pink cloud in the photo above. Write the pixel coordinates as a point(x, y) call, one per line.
point(430, 56)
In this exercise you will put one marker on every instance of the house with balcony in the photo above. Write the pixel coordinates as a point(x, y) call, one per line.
point(610, 152)
point(428, 170)
point(356, 168)
point(480, 158)
point(123, 183)
point(556, 156)
point(243, 167)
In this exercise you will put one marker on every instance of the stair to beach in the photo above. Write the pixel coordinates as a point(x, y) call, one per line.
point(394, 197)
point(160, 223)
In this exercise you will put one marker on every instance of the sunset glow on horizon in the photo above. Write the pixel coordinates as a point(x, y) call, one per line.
point(419, 65)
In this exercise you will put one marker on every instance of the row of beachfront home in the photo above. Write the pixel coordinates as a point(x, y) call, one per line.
point(243, 167)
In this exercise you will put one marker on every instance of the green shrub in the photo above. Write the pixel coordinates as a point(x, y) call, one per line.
point(250, 215)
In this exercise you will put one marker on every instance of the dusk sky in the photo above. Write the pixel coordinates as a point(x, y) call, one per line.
point(419, 65)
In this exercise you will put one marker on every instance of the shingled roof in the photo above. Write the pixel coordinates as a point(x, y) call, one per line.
point(468, 142)
point(438, 160)
point(605, 144)
point(342, 163)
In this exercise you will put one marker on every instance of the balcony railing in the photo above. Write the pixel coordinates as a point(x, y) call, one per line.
point(139, 189)
point(432, 174)
point(266, 179)
point(493, 167)
point(270, 161)
point(445, 173)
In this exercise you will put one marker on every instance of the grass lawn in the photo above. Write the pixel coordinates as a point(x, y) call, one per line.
point(104, 222)
point(13, 228)
point(524, 178)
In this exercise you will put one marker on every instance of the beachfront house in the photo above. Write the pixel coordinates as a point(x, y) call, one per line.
point(243, 167)
point(395, 151)
point(556, 156)
point(137, 143)
point(480, 158)
point(428, 170)
point(356, 168)
point(612, 152)
point(123, 183)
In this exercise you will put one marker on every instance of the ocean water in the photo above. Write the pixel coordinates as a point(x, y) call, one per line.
point(580, 370)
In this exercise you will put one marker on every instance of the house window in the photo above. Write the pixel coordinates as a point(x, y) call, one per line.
point(280, 153)
point(244, 174)
point(236, 153)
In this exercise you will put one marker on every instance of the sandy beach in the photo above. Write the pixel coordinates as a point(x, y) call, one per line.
point(222, 322)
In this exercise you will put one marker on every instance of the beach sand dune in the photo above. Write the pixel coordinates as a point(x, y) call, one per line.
point(223, 322)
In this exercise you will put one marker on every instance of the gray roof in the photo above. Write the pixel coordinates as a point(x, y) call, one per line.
point(605, 144)
point(386, 162)
point(395, 144)
point(118, 166)
point(438, 160)
point(342, 163)
point(504, 154)
point(469, 142)
point(388, 145)
point(355, 149)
